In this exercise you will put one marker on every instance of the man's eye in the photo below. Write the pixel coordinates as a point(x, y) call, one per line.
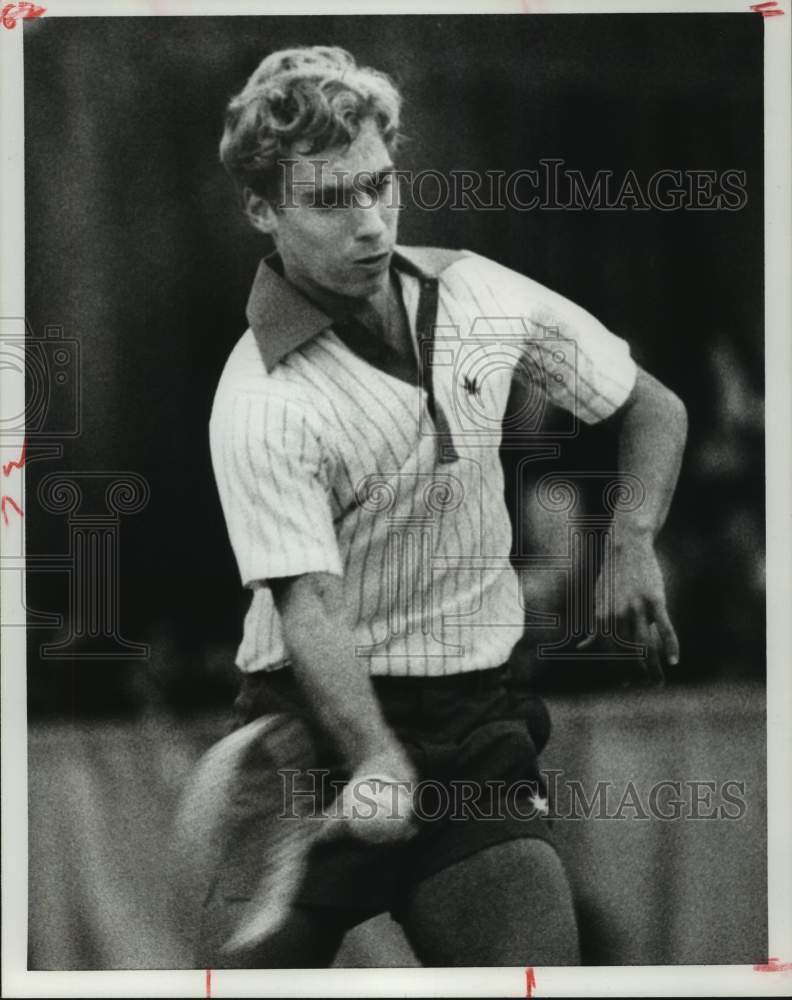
point(328, 201)
point(371, 185)
point(383, 184)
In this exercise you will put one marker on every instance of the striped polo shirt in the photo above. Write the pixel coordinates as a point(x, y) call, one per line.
point(324, 462)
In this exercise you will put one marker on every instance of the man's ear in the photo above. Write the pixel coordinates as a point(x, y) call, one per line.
point(260, 212)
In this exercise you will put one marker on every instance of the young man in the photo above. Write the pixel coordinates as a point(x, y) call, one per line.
point(355, 437)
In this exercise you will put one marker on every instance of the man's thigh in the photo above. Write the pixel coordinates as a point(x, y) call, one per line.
point(509, 904)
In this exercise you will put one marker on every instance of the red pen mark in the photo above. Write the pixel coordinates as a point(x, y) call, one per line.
point(530, 981)
point(13, 12)
point(208, 982)
point(8, 468)
point(19, 463)
point(768, 9)
point(773, 965)
point(3, 502)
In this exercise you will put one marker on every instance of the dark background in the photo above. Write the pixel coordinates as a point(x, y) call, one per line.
point(136, 247)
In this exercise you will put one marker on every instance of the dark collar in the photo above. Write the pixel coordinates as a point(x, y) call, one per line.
point(283, 319)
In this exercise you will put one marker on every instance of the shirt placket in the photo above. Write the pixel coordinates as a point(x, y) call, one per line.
point(425, 322)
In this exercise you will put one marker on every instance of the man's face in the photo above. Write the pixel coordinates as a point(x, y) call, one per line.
point(336, 227)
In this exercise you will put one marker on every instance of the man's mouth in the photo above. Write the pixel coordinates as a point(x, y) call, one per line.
point(374, 259)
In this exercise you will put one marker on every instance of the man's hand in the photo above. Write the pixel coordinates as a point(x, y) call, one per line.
point(376, 803)
point(630, 604)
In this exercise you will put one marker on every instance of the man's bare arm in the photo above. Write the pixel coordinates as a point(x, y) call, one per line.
point(321, 644)
point(652, 428)
point(652, 433)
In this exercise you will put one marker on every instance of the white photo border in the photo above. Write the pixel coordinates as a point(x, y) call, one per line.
point(592, 981)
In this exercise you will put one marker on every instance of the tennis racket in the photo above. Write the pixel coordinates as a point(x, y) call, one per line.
point(234, 821)
point(240, 822)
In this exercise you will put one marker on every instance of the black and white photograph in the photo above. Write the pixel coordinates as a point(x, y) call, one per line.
point(395, 499)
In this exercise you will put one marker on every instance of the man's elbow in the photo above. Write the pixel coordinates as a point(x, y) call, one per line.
point(675, 412)
point(653, 396)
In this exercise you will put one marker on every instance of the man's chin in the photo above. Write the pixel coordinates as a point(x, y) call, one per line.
point(365, 287)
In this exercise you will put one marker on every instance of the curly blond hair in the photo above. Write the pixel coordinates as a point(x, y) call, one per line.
point(316, 96)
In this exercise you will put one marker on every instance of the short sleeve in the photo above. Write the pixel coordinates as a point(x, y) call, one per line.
point(586, 368)
point(273, 479)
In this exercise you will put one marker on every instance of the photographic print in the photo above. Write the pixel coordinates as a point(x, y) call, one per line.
point(395, 451)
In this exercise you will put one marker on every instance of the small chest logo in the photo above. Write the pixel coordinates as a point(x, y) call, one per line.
point(472, 387)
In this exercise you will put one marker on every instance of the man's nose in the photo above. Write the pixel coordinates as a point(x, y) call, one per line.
point(369, 221)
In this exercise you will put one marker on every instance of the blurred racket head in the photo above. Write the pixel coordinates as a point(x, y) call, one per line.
point(240, 833)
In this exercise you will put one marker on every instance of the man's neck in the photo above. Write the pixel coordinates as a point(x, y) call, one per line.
point(342, 307)
point(336, 306)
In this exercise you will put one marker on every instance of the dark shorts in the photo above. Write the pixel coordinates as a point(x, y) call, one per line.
point(474, 740)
